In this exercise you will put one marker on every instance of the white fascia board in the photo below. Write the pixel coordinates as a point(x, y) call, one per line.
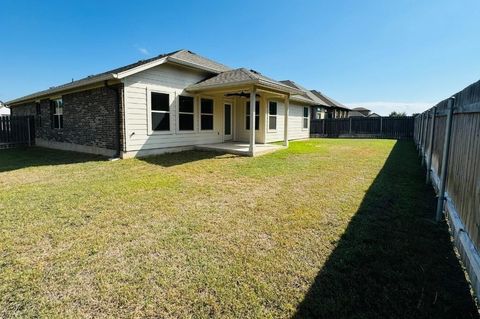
point(221, 85)
point(140, 68)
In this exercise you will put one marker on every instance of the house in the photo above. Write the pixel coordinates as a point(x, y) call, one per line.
point(374, 115)
point(172, 102)
point(359, 112)
point(324, 106)
point(334, 109)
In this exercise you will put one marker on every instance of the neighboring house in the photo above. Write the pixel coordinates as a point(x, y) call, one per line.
point(172, 102)
point(374, 115)
point(334, 109)
point(359, 112)
point(4, 111)
point(324, 106)
point(319, 107)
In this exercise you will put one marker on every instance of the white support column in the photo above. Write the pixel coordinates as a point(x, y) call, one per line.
point(285, 120)
point(253, 96)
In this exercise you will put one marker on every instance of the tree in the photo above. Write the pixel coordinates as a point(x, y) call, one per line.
point(397, 114)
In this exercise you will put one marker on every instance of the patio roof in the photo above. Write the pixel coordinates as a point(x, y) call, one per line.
point(241, 77)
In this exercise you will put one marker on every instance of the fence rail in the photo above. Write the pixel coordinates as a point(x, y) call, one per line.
point(16, 131)
point(448, 139)
point(371, 127)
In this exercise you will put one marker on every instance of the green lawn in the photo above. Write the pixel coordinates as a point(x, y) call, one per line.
point(329, 228)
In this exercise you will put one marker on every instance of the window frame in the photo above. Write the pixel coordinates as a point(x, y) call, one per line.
point(257, 114)
point(178, 130)
point(171, 99)
point(59, 115)
point(269, 115)
point(307, 118)
point(200, 98)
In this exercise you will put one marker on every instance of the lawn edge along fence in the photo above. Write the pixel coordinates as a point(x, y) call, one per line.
point(360, 127)
point(448, 140)
point(17, 131)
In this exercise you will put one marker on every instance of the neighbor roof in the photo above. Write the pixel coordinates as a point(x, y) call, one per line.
point(183, 57)
point(331, 102)
point(239, 77)
point(360, 109)
point(306, 93)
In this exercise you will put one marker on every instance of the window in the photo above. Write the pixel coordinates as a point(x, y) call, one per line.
point(160, 111)
point(305, 117)
point(257, 115)
point(272, 115)
point(56, 110)
point(206, 114)
point(38, 112)
point(185, 113)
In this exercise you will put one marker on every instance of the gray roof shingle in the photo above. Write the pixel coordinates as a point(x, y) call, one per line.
point(331, 102)
point(306, 93)
point(239, 76)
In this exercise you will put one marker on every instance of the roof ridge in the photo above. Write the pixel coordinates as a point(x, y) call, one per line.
point(248, 73)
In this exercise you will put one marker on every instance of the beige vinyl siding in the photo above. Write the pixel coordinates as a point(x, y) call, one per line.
point(243, 135)
point(172, 80)
point(295, 123)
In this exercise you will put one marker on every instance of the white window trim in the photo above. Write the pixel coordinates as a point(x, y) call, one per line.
point(195, 126)
point(205, 97)
point(171, 99)
point(268, 117)
point(55, 114)
point(256, 114)
point(307, 118)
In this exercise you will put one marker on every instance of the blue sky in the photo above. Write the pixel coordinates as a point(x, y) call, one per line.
point(403, 54)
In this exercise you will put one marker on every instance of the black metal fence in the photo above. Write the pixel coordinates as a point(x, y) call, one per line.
point(369, 127)
point(17, 131)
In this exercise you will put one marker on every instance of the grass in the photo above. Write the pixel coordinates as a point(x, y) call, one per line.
point(327, 228)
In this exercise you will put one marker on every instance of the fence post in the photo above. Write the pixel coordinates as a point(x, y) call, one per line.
point(381, 126)
point(28, 132)
point(446, 151)
point(323, 124)
point(350, 130)
point(424, 147)
point(430, 151)
point(419, 145)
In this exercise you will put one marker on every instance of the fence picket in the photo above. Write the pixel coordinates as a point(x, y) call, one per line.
point(16, 131)
point(377, 127)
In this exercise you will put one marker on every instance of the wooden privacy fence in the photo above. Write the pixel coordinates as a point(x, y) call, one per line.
point(376, 127)
point(16, 131)
point(448, 139)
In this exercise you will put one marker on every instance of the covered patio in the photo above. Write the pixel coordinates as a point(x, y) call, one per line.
point(242, 87)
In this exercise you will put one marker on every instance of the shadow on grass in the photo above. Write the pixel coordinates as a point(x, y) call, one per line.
point(17, 158)
point(392, 261)
point(179, 158)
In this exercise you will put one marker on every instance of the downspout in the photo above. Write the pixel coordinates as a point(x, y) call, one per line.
point(117, 119)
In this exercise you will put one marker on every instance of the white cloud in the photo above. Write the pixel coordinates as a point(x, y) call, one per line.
point(385, 108)
point(143, 51)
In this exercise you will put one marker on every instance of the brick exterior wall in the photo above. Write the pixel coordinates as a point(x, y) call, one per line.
point(89, 118)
